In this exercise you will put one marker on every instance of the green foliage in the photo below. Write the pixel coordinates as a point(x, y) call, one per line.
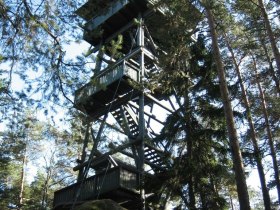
point(196, 132)
point(53, 162)
point(33, 44)
point(34, 41)
point(9, 179)
point(115, 47)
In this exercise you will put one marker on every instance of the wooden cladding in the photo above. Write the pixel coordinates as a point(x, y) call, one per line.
point(114, 179)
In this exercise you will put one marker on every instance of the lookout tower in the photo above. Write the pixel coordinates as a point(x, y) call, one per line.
point(123, 34)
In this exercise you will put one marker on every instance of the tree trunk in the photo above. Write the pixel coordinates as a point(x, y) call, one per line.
point(22, 178)
point(271, 69)
point(203, 202)
point(44, 202)
point(189, 139)
point(270, 35)
point(191, 193)
point(240, 178)
point(268, 130)
point(257, 152)
point(231, 203)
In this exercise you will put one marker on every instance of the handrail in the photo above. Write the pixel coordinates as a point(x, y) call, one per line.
point(94, 185)
point(122, 60)
point(65, 194)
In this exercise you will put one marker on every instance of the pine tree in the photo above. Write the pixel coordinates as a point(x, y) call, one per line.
point(228, 111)
point(193, 132)
point(270, 34)
point(268, 128)
point(253, 134)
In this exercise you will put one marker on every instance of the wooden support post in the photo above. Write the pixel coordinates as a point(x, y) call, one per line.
point(83, 157)
point(99, 58)
point(140, 165)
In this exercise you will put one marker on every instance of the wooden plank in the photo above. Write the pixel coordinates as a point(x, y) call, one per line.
point(154, 148)
point(153, 158)
point(151, 154)
point(90, 188)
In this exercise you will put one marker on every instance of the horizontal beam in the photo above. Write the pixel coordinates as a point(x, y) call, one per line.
point(158, 102)
point(113, 127)
point(126, 27)
point(118, 62)
point(113, 151)
point(146, 113)
point(154, 148)
point(115, 104)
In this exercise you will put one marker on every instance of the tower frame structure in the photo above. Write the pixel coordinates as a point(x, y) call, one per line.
point(118, 88)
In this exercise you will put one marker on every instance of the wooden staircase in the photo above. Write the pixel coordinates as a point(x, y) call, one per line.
point(128, 121)
point(155, 158)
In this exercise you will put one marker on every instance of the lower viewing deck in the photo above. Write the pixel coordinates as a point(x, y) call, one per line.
point(118, 183)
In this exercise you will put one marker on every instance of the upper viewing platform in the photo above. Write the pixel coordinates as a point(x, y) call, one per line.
point(106, 17)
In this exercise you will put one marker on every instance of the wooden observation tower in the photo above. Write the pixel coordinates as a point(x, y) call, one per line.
point(124, 36)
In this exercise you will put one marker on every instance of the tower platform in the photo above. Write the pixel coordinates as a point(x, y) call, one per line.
point(114, 180)
point(108, 89)
point(114, 86)
point(106, 19)
point(119, 183)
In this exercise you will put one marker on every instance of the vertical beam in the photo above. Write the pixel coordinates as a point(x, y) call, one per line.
point(129, 134)
point(141, 43)
point(83, 157)
point(99, 57)
point(149, 120)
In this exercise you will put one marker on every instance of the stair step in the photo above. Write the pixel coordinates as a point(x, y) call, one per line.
point(153, 159)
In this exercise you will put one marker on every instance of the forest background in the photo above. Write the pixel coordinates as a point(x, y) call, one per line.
point(226, 84)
